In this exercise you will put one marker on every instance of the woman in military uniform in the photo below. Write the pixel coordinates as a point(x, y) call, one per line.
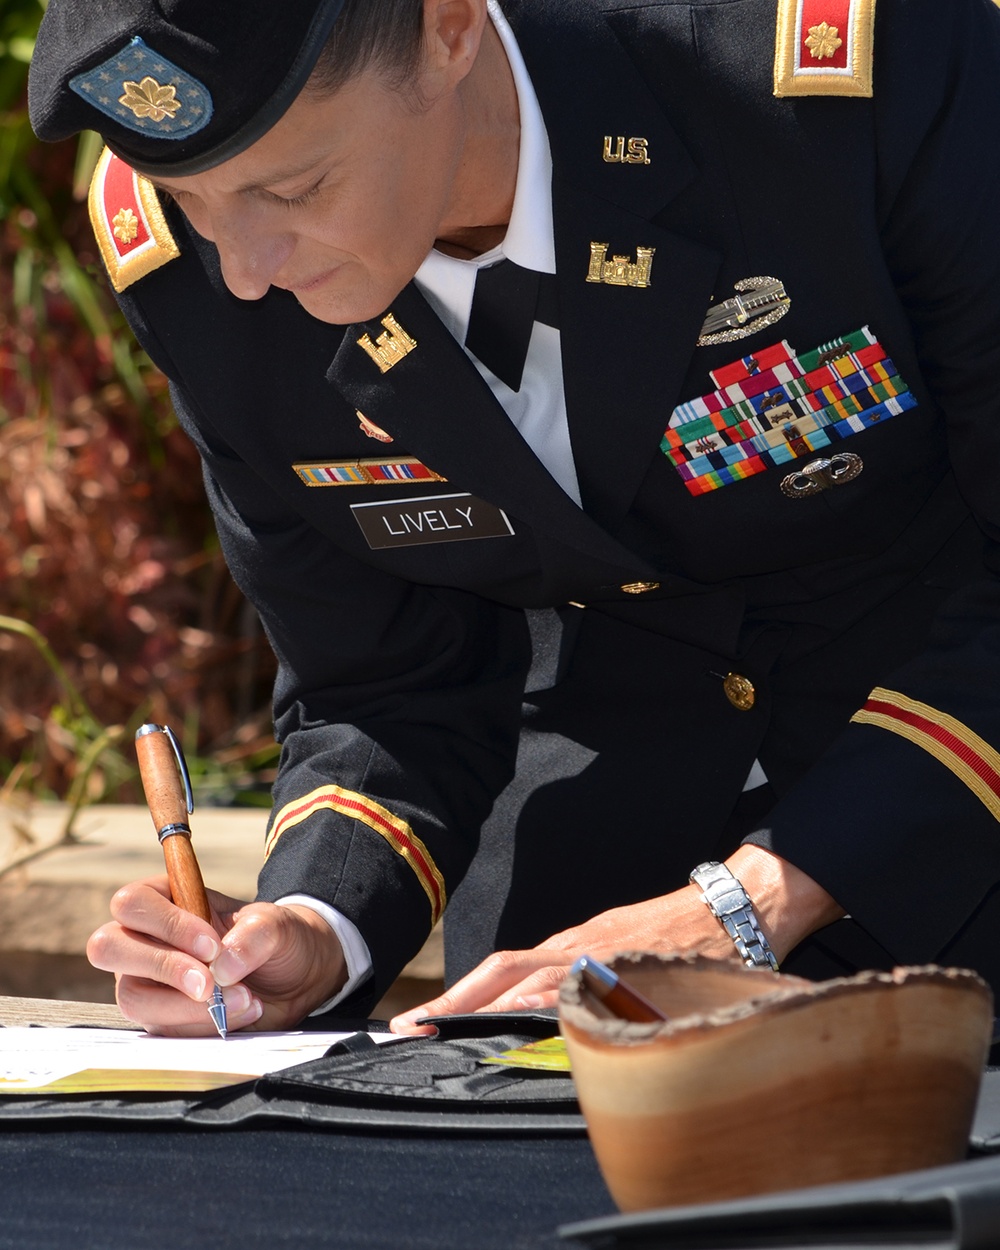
point(598, 403)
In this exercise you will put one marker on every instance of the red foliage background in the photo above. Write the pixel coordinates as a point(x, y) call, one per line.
point(106, 543)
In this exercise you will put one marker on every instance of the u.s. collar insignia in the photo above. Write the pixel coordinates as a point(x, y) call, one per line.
point(760, 302)
point(616, 153)
point(144, 92)
point(824, 47)
point(128, 222)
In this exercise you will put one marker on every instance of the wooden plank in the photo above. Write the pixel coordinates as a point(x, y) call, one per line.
point(47, 1011)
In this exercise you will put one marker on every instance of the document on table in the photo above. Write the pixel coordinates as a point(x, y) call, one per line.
point(98, 1061)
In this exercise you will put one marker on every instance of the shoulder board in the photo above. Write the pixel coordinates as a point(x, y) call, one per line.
point(824, 47)
point(128, 222)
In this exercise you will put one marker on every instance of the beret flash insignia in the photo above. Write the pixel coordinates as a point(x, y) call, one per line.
point(145, 92)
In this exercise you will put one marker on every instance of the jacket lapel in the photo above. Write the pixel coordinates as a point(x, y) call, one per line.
point(643, 337)
point(626, 350)
point(434, 402)
point(437, 407)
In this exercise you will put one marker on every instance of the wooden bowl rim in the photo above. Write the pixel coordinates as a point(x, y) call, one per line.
point(778, 993)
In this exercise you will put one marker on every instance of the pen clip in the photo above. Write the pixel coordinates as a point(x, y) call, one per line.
point(178, 755)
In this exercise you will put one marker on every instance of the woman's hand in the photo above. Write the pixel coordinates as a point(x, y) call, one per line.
point(274, 963)
point(789, 906)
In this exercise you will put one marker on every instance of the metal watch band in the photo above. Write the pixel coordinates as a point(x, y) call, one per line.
point(727, 900)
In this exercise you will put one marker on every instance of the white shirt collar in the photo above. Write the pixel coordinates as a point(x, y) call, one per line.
point(448, 283)
point(529, 240)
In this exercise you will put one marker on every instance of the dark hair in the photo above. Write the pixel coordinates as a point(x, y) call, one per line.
point(385, 35)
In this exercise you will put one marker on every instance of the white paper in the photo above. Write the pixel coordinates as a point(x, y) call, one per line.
point(34, 1057)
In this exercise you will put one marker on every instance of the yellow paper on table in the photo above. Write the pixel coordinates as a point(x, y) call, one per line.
point(547, 1055)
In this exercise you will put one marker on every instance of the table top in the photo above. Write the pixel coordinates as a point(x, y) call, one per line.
point(118, 1184)
point(122, 1184)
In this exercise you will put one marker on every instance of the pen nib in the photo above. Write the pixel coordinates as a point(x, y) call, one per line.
point(217, 1010)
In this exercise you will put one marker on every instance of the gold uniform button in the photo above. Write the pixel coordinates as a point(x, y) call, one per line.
point(739, 691)
point(639, 588)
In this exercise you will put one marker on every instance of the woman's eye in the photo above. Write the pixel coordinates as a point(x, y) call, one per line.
point(296, 201)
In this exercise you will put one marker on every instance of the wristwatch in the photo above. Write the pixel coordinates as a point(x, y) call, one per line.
point(727, 900)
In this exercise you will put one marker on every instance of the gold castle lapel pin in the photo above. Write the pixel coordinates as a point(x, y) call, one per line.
point(389, 348)
point(620, 270)
point(760, 302)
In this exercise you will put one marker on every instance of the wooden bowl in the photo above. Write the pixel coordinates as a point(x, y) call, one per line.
point(759, 1082)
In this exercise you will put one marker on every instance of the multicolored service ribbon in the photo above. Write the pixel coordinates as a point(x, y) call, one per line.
point(366, 472)
point(773, 407)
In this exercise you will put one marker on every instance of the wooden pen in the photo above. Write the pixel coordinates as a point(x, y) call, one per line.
point(615, 995)
point(168, 794)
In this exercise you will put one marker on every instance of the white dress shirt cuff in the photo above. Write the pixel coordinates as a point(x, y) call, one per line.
point(356, 953)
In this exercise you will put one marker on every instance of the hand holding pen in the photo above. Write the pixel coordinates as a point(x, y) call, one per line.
point(168, 793)
point(275, 961)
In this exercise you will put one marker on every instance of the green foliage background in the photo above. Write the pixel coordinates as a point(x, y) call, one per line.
point(115, 606)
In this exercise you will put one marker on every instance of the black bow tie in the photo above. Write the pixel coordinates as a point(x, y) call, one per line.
point(508, 301)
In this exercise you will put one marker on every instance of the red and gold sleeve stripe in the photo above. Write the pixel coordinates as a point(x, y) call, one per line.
point(128, 222)
point(972, 760)
point(396, 832)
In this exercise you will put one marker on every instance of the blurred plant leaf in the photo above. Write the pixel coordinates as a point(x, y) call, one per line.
point(117, 606)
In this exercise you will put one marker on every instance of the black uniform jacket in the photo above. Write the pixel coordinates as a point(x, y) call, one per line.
point(404, 692)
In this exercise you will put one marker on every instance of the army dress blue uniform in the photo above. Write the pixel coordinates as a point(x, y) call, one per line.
point(811, 595)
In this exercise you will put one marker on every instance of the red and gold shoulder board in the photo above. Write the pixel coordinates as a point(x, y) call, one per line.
point(128, 222)
point(824, 47)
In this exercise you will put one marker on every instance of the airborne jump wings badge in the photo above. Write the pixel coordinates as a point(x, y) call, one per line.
point(824, 47)
point(128, 222)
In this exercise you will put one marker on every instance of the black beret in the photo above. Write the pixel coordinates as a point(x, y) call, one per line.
point(173, 86)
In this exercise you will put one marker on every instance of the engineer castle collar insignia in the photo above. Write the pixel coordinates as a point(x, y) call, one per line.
point(620, 270)
point(389, 348)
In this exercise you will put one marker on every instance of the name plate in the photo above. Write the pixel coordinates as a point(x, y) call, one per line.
point(429, 519)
